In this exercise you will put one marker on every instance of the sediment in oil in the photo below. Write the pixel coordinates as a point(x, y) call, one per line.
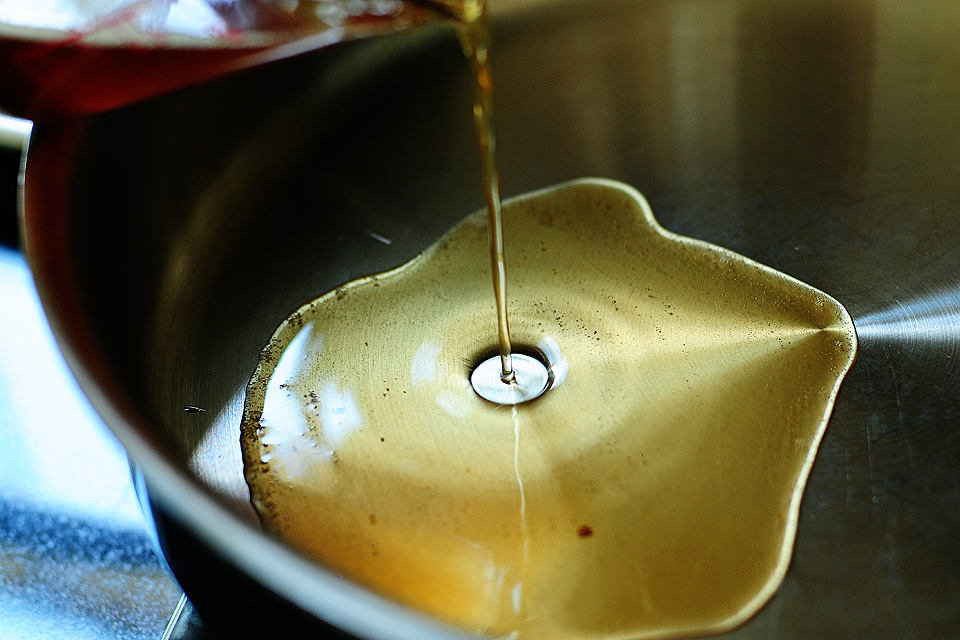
point(654, 491)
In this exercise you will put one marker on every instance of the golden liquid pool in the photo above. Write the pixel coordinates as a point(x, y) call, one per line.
point(652, 492)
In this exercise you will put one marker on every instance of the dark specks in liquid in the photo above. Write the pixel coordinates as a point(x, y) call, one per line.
point(724, 404)
point(725, 401)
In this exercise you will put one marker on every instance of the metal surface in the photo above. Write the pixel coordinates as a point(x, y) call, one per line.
point(13, 132)
point(821, 138)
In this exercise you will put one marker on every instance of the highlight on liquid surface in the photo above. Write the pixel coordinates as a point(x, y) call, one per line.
point(653, 491)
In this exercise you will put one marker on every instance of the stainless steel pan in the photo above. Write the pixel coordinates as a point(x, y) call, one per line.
point(819, 137)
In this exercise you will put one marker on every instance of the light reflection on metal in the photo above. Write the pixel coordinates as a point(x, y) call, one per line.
point(216, 460)
point(935, 317)
point(531, 379)
point(14, 132)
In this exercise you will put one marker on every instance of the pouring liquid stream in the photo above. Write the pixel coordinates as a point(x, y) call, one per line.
point(563, 536)
point(475, 40)
point(666, 360)
point(499, 382)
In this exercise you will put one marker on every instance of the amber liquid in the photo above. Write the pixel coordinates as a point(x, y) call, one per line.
point(475, 38)
point(654, 490)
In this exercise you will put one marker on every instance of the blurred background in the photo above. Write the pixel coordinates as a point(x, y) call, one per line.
point(76, 562)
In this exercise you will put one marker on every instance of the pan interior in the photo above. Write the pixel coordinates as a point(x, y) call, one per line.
point(820, 138)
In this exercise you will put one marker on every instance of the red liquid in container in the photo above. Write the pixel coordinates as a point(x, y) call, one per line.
point(50, 74)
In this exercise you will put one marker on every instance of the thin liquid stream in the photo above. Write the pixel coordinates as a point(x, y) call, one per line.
point(676, 354)
point(315, 434)
point(475, 39)
point(98, 62)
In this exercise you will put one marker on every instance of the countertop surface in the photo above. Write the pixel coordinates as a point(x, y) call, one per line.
point(76, 560)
